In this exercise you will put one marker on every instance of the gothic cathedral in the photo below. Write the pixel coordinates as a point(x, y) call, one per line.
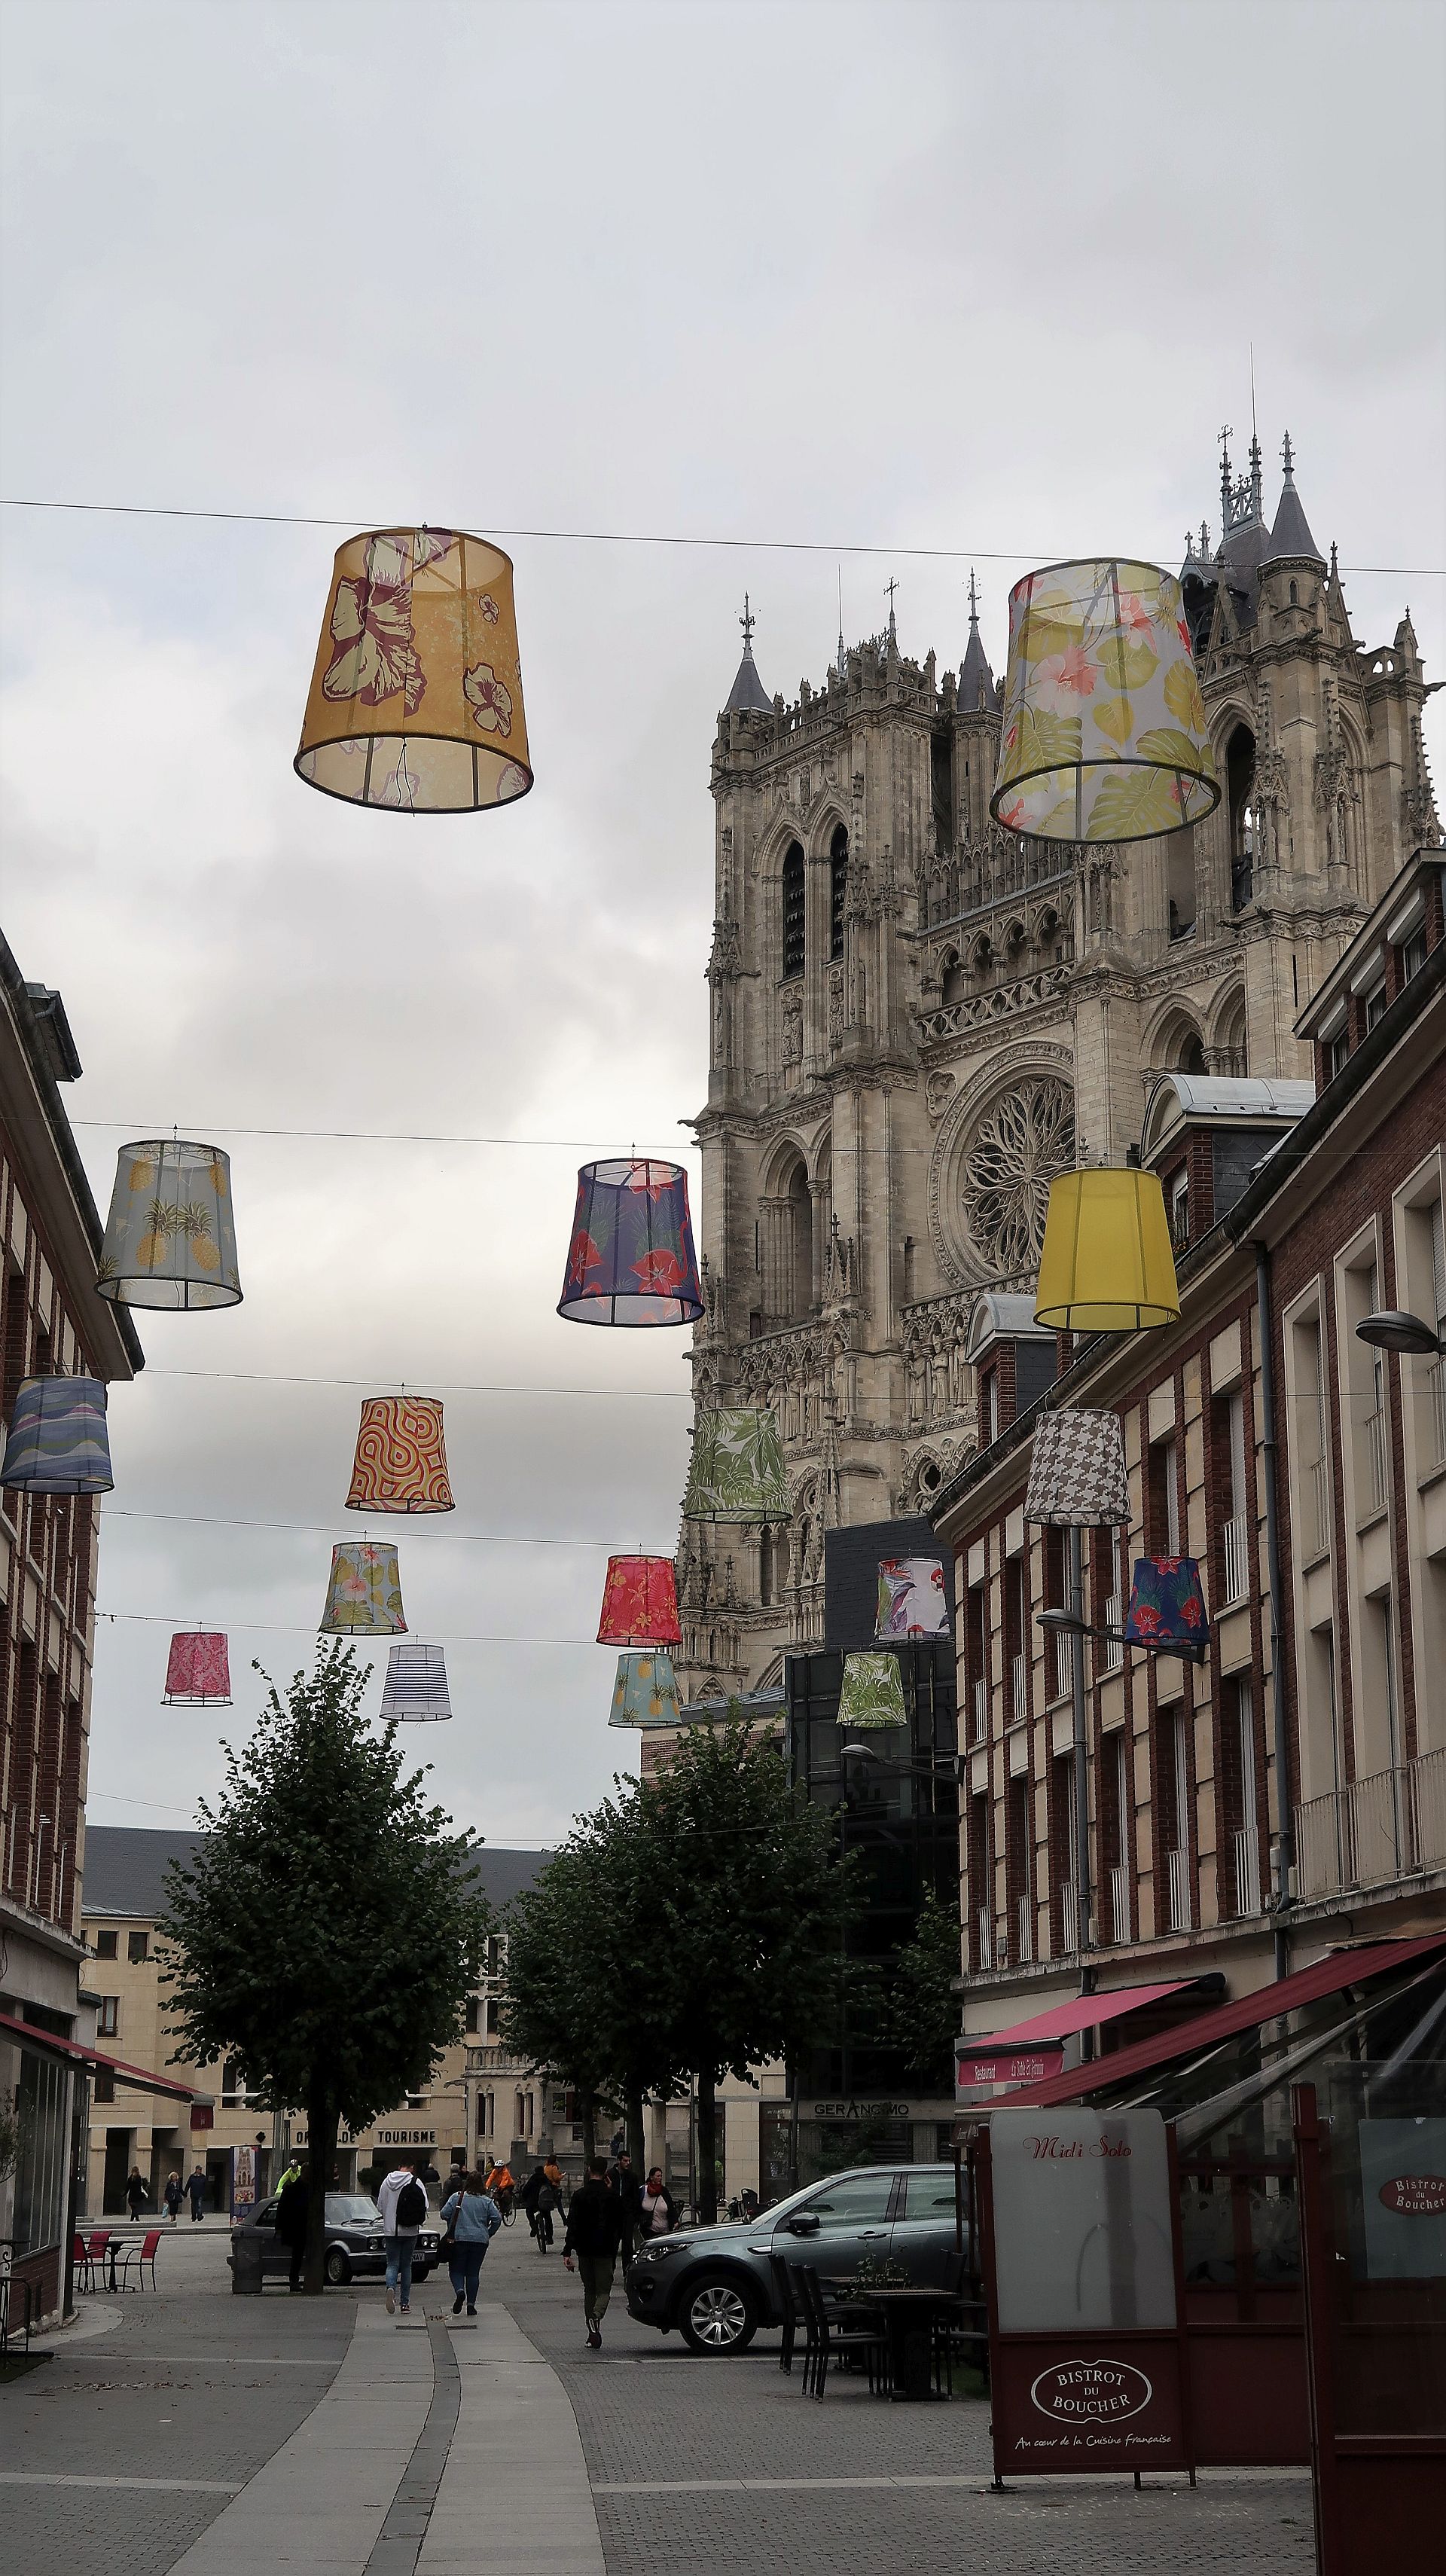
point(917, 1018)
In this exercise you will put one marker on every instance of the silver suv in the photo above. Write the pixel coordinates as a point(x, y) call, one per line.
point(716, 2285)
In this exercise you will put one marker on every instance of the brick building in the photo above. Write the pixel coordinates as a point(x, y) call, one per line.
point(1289, 1794)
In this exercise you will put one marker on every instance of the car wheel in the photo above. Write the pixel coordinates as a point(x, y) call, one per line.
point(337, 2267)
point(718, 2314)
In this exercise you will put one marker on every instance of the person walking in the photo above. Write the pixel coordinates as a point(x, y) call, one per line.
point(594, 2228)
point(403, 2203)
point(135, 2191)
point(196, 2191)
point(630, 2193)
point(292, 2210)
point(172, 2197)
point(549, 2202)
point(657, 2209)
point(472, 2218)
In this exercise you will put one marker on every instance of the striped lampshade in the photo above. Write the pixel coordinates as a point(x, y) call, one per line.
point(57, 1442)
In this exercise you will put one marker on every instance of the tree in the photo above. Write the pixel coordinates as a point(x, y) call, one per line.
point(921, 2009)
point(328, 1930)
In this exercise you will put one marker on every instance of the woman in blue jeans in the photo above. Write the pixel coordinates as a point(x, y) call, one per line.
point(471, 2217)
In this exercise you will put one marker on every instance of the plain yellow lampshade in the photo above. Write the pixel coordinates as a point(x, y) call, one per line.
point(1107, 1265)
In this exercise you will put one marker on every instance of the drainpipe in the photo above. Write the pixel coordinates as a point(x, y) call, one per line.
point(1084, 1930)
point(1285, 1840)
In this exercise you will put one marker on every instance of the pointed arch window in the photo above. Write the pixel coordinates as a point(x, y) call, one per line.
point(838, 878)
point(1240, 789)
point(793, 910)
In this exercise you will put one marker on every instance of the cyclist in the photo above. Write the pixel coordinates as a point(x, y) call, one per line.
point(502, 2188)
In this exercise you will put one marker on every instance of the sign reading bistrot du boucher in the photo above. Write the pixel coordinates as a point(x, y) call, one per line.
point(1087, 2368)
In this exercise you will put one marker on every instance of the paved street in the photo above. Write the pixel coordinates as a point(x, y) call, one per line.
point(228, 2437)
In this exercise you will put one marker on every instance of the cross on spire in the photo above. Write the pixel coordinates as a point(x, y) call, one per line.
point(747, 621)
point(891, 586)
point(973, 599)
point(1287, 455)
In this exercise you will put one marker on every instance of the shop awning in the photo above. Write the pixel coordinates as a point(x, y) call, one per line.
point(140, 2077)
point(1082, 2012)
point(1185, 2039)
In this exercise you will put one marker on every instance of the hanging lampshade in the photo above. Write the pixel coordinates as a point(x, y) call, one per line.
point(198, 1671)
point(912, 1599)
point(415, 1690)
point(1104, 733)
point(401, 1460)
point(1106, 1265)
point(736, 1472)
point(631, 1258)
point(1077, 1474)
point(640, 1603)
point(645, 1692)
point(416, 697)
point(871, 1693)
point(170, 1237)
point(57, 1441)
point(1167, 1607)
point(364, 1595)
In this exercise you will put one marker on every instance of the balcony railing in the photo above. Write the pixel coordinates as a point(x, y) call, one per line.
point(1019, 1700)
point(1178, 1869)
point(1318, 1491)
point(1373, 1480)
point(1247, 1872)
point(1061, 1666)
point(1375, 1829)
point(1024, 1930)
point(1068, 1915)
point(1236, 1554)
point(1112, 1651)
point(981, 1711)
point(983, 1938)
point(1119, 1904)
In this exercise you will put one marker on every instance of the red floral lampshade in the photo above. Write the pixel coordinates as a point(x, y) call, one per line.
point(640, 1603)
point(1167, 1607)
point(631, 1259)
point(198, 1671)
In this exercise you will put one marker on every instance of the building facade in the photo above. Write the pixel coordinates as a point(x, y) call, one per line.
point(52, 1319)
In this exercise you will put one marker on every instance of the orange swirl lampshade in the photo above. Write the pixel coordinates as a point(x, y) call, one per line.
point(416, 698)
point(640, 1603)
point(198, 1671)
point(401, 1459)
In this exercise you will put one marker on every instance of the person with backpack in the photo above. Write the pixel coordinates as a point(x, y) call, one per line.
point(403, 2203)
point(471, 2217)
point(594, 2227)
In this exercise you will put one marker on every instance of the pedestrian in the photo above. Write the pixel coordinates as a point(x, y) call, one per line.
point(630, 2193)
point(403, 2203)
point(196, 2191)
point(594, 2227)
point(549, 2202)
point(135, 2191)
point(172, 2197)
point(292, 2210)
point(472, 2219)
point(657, 2209)
point(292, 2173)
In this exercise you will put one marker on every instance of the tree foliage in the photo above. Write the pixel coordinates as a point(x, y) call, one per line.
point(921, 2009)
point(328, 1930)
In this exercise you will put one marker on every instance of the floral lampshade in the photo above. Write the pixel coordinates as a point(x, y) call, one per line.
point(364, 1596)
point(640, 1603)
point(198, 1671)
point(646, 1692)
point(170, 1237)
point(1106, 1265)
point(415, 1690)
point(871, 1693)
point(631, 1258)
point(416, 697)
point(1167, 1607)
point(1077, 1474)
point(57, 1441)
point(1104, 733)
point(736, 1473)
point(913, 1601)
point(401, 1459)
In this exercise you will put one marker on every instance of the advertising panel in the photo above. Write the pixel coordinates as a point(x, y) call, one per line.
point(243, 2181)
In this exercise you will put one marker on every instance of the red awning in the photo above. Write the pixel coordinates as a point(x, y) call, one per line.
point(140, 2076)
point(1192, 2038)
point(1082, 2012)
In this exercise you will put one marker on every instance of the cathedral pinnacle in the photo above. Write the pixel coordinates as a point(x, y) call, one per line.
point(976, 680)
point(748, 692)
point(1290, 538)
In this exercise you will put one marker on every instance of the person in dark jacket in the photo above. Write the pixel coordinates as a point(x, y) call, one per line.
point(196, 2191)
point(291, 2215)
point(135, 2191)
point(657, 2209)
point(594, 2229)
point(630, 2193)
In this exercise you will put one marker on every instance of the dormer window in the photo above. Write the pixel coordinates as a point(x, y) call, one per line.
point(1334, 1052)
point(1375, 1005)
point(1413, 953)
point(793, 911)
point(1180, 1210)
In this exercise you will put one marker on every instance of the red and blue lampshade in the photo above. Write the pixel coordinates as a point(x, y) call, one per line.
point(640, 1603)
point(1167, 1607)
point(631, 1260)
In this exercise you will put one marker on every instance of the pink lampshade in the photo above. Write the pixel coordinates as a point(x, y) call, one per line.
point(640, 1603)
point(198, 1670)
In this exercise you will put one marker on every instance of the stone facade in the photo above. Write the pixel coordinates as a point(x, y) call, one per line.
point(918, 1018)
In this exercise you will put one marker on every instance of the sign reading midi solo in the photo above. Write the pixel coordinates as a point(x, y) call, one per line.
point(1082, 2269)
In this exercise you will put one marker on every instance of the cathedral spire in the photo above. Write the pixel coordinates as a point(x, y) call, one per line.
point(976, 680)
point(748, 691)
point(1290, 538)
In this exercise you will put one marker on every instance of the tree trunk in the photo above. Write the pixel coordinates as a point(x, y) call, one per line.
point(633, 2099)
point(321, 2129)
point(588, 2107)
point(707, 2149)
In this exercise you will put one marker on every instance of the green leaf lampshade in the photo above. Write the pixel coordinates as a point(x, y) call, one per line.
point(57, 1441)
point(170, 1237)
point(1104, 734)
point(364, 1595)
point(415, 1691)
point(872, 1692)
point(737, 1471)
point(646, 1692)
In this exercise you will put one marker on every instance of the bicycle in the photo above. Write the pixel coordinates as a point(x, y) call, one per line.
point(507, 2203)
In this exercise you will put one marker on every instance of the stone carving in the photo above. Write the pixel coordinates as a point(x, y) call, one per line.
point(835, 1005)
point(792, 1030)
point(938, 1092)
point(997, 1002)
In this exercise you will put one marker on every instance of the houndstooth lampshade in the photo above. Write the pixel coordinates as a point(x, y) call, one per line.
point(364, 1595)
point(1077, 1474)
point(415, 1691)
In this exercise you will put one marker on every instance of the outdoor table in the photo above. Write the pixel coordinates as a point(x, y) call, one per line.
point(909, 2323)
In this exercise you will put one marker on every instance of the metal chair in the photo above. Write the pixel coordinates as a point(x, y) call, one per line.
point(80, 2261)
point(140, 2255)
point(790, 2313)
point(95, 2254)
point(965, 2335)
point(827, 2341)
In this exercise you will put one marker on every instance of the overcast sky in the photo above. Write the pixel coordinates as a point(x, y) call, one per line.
point(901, 276)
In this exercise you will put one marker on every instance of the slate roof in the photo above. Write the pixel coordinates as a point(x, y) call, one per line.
point(1291, 536)
point(748, 690)
point(125, 1869)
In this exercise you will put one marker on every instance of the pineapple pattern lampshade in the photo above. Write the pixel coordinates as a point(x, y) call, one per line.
point(1106, 1264)
point(871, 1693)
point(631, 1258)
point(1077, 1474)
point(736, 1472)
point(198, 1671)
point(1104, 734)
point(1167, 1607)
point(170, 1237)
point(57, 1441)
point(415, 1691)
point(364, 1595)
point(645, 1692)
point(912, 1599)
point(416, 697)
point(401, 1459)
point(640, 1603)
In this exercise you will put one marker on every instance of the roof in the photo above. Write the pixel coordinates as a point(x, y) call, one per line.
point(976, 680)
point(1385, 923)
point(1290, 537)
point(998, 1317)
point(748, 690)
point(126, 1865)
point(1249, 1100)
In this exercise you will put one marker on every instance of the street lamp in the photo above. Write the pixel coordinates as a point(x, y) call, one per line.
point(1072, 1623)
point(1410, 1335)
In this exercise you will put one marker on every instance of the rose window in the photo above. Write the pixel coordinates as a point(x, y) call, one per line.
point(1024, 1138)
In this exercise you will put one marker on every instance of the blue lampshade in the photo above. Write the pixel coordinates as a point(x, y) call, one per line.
point(58, 1442)
point(1167, 1607)
point(646, 1692)
point(631, 1258)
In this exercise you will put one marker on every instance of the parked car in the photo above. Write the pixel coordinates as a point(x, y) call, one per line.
point(714, 2284)
point(356, 2245)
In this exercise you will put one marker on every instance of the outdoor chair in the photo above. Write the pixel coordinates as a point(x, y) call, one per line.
point(827, 2341)
point(963, 2336)
point(80, 2261)
point(95, 2256)
point(140, 2255)
point(788, 2308)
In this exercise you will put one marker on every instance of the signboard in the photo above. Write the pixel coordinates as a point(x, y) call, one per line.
point(203, 2116)
point(1008, 2066)
point(243, 2181)
point(1403, 2199)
